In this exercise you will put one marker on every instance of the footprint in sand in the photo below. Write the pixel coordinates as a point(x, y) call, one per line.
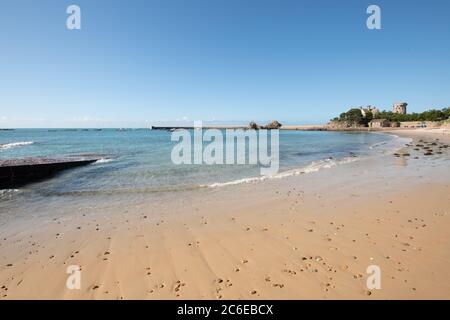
point(178, 286)
point(291, 272)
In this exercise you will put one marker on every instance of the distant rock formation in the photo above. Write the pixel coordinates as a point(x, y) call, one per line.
point(253, 126)
point(343, 124)
point(273, 125)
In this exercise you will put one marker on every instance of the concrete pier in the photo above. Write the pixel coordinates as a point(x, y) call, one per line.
point(19, 172)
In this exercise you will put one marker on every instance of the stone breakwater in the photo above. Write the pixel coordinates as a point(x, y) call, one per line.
point(19, 172)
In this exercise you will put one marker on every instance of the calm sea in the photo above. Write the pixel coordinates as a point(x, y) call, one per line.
point(138, 161)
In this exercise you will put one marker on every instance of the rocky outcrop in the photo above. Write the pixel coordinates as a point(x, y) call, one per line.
point(271, 126)
point(340, 125)
point(253, 126)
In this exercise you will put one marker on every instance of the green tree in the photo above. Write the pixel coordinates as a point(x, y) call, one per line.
point(430, 115)
point(353, 117)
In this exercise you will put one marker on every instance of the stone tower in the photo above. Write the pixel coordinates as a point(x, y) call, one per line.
point(400, 107)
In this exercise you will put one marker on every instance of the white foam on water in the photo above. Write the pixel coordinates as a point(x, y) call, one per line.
point(15, 144)
point(312, 167)
point(103, 160)
point(381, 148)
point(8, 192)
point(390, 146)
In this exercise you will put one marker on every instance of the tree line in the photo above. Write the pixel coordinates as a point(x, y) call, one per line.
point(430, 115)
point(355, 117)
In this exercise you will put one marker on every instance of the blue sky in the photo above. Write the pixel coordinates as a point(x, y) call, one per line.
point(140, 62)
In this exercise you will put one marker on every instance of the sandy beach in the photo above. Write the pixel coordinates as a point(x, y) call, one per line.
point(309, 236)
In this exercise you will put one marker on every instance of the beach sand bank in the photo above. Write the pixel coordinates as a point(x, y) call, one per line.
point(309, 236)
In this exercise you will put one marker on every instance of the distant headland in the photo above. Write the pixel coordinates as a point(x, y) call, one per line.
point(372, 118)
point(367, 118)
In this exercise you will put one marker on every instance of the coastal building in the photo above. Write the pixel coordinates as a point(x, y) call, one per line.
point(399, 108)
point(373, 110)
point(379, 123)
point(412, 124)
point(420, 124)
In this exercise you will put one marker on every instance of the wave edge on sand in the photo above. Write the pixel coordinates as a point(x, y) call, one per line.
point(385, 147)
point(312, 167)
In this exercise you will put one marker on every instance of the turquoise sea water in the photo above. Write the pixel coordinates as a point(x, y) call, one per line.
point(139, 161)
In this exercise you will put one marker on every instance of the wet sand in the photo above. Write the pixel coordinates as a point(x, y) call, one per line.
point(303, 237)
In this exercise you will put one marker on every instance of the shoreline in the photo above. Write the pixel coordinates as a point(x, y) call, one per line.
point(319, 127)
point(316, 127)
point(307, 236)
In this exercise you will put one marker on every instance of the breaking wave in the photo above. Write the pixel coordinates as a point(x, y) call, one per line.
point(380, 148)
point(103, 160)
point(312, 167)
point(390, 146)
point(15, 144)
point(7, 192)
